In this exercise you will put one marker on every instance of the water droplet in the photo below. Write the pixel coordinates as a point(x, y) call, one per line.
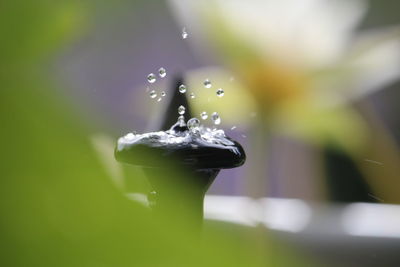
point(193, 124)
point(192, 95)
point(181, 120)
point(182, 88)
point(151, 78)
point(184, 33)
point(153, 94)
point(163, 93)
point(233, 128)
point(159, 99)
point(181, 110)
point(207, 83)
point(162, 72)
point(215, 118)
point(220, 92)
point(244, 136)
point(204, 115)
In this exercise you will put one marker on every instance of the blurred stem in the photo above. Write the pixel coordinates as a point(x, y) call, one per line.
point(381, 161)
point(182, 209)
point(180, 197)
point(258, 159)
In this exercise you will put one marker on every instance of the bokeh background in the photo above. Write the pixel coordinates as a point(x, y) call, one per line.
point(105, 72)
point(311, 92)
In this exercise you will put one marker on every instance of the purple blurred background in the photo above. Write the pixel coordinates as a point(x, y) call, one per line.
point(105, 73)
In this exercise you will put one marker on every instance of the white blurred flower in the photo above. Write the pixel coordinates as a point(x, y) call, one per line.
point(302, 60)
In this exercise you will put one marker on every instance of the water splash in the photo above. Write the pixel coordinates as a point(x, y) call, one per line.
point(192, 95)
point(195, 134)
point(130, 136)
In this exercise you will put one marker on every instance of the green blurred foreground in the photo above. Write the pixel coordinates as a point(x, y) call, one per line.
point(58, 206)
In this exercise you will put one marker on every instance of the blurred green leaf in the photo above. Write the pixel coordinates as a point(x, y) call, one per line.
point(58, 203)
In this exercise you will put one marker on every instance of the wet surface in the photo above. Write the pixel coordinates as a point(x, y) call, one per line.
point(198, 147)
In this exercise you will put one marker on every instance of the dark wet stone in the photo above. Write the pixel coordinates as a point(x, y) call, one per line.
point(196, 154)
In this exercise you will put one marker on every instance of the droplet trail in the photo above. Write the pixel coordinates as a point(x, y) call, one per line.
point(181, 110)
